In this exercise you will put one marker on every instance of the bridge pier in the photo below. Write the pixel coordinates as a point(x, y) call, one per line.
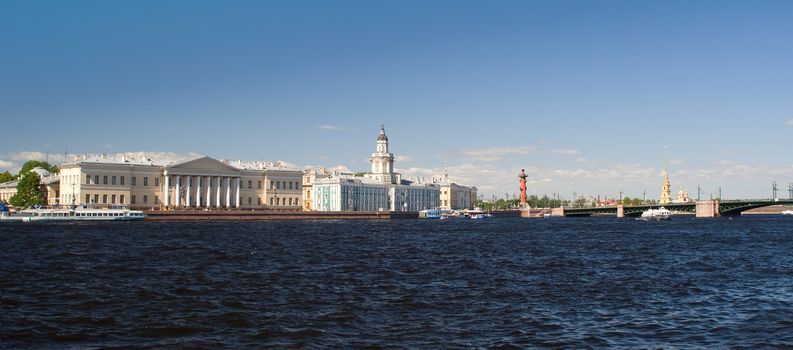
point(620, 211)
point(708, 209)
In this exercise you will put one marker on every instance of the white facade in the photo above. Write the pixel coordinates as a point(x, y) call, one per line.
point(414, 197)
point(201, 183)
point(383, 162)
point(349, 194)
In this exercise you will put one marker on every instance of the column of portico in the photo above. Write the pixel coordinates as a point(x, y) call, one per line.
point(198, 192)
point(166, 191)
point(239, 186)
point(228, 192)
point(209, 191)
point(217, 193)
point(178, 194)
point(187, 199)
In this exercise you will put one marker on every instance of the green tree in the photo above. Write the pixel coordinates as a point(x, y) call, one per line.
point(29, 165)
point(6, 176)
point(28, 191)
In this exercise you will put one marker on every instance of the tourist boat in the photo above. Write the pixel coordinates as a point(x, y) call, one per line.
point(72, 214)
point(787, 212)
point(657, 214)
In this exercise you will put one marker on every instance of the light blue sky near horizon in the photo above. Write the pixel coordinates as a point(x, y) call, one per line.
point(583, 94)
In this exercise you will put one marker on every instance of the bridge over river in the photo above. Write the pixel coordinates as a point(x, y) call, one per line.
point(701, 208)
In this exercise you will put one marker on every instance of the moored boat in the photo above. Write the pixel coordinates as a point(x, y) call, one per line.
point(72, 214)
point(787, 212)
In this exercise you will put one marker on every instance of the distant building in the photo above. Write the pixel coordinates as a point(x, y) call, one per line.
point(50, 187)
point(348, 193)
point(382, 189)
point(456, 196)
point(666, 187)
point(200, 183)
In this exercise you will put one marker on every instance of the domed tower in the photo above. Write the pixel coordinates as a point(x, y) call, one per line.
point(382, 161)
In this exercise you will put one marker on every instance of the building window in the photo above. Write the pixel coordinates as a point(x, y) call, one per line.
point(250, 185)
point(104, 196)
point(145, 181)
point(87, 179)
point(104, 180)
point(121, 199)
point(87, 198)
point(271, 201)
point(96, 198)
point(134, 181)
point(290, 185)
point(145, 198)
point(113, 199)
point(156, 182)
point(249, 201)
point(156, 199)
point(132, 199)
point(113, 180)
point(122, 181)
point(96, 179)
point(278, 185)
point(259, 201)
point(259, 185)
point(272, 185)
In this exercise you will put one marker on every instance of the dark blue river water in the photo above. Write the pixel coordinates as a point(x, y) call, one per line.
point(503, 283)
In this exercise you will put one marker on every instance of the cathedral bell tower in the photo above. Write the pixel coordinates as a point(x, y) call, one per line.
point(382, 161)
point(666, 187)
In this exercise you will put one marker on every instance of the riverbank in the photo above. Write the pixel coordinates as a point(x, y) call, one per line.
point(201, 215)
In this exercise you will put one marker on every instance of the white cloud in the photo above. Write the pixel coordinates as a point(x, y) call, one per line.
point(401, 158)
point(677, 161)
point(567, 152)
point(494, 153)
point(5, 165)
point(330, 127)
point(789, 122)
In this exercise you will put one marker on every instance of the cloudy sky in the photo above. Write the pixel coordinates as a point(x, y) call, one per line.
point(582, 94)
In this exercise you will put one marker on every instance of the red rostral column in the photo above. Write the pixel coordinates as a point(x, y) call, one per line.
point(522, 177)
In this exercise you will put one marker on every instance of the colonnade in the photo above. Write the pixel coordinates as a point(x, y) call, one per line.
point(215, 194)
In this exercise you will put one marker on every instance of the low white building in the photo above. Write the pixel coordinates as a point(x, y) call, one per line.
point(347, 193)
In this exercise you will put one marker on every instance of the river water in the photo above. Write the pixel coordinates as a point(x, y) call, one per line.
point(499, 283)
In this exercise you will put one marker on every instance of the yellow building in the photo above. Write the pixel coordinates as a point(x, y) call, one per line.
point(199, 184)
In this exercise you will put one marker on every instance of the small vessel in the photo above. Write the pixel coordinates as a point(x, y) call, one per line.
point(787, 212)
point(430, 214)
point(72, 214)
point(656, 214)
point(481, 216)
point(451, 214)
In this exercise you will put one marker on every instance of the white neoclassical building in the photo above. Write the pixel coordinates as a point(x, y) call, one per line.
point(380, 190)
point(200, 183)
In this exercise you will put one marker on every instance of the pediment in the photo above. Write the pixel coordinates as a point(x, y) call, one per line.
point(203, 165)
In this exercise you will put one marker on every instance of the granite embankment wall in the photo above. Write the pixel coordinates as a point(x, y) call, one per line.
point(200, 215)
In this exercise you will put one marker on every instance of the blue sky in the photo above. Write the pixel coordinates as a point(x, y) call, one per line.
point(583, 94)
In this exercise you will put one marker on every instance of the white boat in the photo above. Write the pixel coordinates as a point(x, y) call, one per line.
point(481, 216)
point(72, 214)
point(656, 214)
point(451, 214)
point(787, 212)
point(430, 214)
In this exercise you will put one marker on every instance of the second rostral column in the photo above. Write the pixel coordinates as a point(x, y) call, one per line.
point(523, 176)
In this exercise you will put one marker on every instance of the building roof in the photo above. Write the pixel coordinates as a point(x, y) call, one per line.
point(382, 136)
